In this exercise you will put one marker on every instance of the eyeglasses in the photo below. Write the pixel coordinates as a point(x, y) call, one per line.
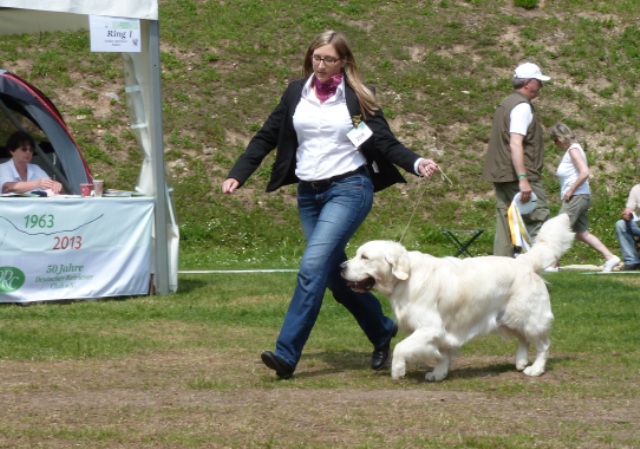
point(25, 149)
point(327, 60)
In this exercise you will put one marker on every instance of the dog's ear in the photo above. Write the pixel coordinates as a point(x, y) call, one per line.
point(400, 266)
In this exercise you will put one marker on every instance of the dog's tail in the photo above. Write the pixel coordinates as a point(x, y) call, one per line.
point(554, 239)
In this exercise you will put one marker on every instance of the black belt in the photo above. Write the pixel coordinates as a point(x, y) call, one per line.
point(326, 183)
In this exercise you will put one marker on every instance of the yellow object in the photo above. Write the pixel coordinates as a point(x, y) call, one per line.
point(519, 235)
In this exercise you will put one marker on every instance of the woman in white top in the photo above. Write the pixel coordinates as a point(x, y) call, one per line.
point(573, 173)
point(334, 142)
point(18, 175)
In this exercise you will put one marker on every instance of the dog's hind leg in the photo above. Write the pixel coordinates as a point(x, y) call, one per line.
point(522, 354)
point(420, 346)
point(542, 354)
point(440, 371)
point(528, 317)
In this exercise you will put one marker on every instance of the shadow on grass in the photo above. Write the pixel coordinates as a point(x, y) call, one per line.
point(187, 286)
point(344, 361)
point(337, 361)
point(66, 302)
point(190, 285)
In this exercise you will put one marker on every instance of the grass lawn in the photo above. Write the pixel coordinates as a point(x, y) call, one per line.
point(183, 371)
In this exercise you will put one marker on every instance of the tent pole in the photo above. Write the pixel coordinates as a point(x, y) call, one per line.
point(158, 169)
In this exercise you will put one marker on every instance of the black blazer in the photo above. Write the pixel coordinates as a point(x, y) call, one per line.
point(381, 150)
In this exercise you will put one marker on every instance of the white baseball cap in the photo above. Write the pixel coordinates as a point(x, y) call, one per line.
point(529, 70)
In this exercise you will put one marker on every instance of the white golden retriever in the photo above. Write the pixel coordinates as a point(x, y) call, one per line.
point(445, 302)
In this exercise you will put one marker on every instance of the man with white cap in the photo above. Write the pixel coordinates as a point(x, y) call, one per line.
point(515, 156)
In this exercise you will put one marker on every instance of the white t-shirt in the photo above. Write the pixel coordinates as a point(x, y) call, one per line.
point(568, 173)
point(520, 118)
point(9, 173)
point(633, 202)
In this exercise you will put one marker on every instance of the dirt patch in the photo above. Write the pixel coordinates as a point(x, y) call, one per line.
point(213, 399)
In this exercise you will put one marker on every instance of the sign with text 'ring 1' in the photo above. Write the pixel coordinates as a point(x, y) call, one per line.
point(114, 34)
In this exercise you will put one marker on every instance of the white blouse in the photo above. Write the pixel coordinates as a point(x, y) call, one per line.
point(568, 173)
point(9, 173)
point(324, 149)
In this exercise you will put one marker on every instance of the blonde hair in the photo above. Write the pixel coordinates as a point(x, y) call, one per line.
point(366, 97)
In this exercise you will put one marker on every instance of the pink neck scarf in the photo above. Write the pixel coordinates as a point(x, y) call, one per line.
point(326, 90)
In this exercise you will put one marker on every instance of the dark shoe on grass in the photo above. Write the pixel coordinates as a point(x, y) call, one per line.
point(380, 354)
point(278, 364)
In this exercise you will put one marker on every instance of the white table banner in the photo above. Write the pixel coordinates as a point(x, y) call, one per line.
point(74, 248)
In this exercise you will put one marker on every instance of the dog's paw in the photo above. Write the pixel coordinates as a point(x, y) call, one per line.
point(533, 371)
point(521, 364)
point(398, 371)
point(433, 376)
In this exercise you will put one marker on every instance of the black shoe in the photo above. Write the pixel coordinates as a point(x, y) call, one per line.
point(630, 267)
point(380, 354)
point(282, 368)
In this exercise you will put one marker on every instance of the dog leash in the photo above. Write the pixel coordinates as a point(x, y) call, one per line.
point(424, 188)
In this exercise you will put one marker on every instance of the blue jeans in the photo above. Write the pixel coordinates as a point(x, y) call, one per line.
point(625, 231)
point(329, 218)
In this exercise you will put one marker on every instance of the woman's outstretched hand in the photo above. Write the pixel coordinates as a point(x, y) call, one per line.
point(230, 185)
point(426, 167)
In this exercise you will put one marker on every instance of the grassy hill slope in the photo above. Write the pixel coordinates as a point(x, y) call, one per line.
point(439, 67)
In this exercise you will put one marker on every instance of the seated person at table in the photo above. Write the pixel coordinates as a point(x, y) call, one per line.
point(18, 175)
point(629, 227)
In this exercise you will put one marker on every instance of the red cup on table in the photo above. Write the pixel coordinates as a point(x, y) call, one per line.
point(85, 189)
